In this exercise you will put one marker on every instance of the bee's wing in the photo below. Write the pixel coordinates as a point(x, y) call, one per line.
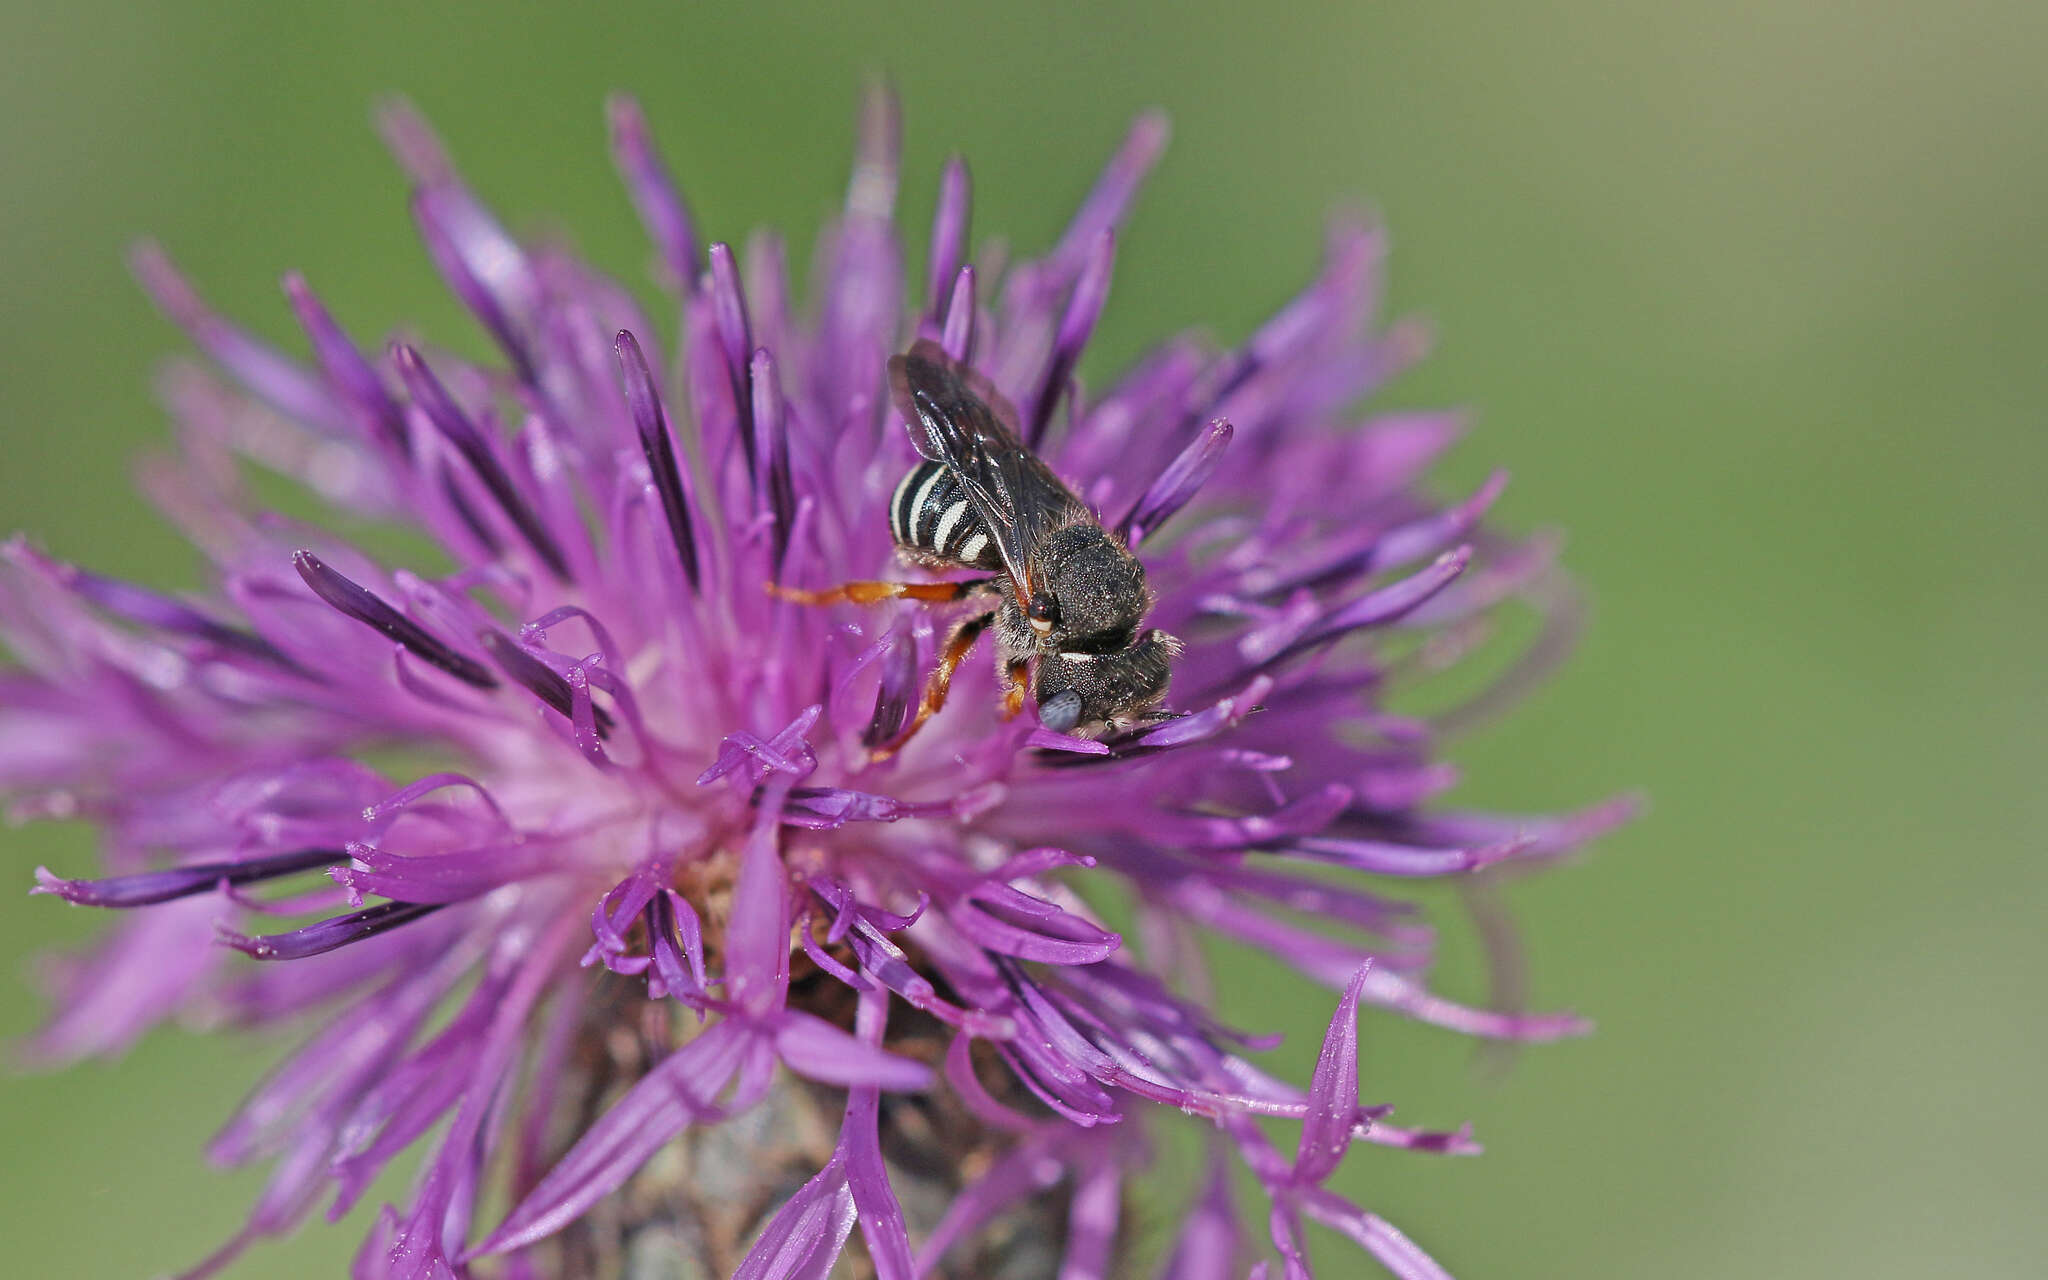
point(954, 419)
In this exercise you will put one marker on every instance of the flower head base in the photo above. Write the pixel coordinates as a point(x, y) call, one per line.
point(664, 820)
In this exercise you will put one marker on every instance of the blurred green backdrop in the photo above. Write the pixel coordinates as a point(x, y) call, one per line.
point(1749, 295)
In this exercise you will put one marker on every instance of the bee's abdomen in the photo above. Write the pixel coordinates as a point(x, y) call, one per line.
point(930, 515)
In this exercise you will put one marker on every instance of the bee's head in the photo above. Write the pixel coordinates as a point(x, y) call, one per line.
point(1089, 591)
point(1084, 692)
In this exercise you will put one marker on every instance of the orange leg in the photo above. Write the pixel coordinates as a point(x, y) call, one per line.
point(876, 592)
point(959, 643)
point(1015, 676)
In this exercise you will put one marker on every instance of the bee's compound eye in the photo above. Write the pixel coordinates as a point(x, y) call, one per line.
point(1062, 711)
point(1044, 612)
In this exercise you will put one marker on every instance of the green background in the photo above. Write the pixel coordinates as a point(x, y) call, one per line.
point(1748, 295)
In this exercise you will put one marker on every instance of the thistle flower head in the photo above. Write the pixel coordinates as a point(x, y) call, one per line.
point(655, 866)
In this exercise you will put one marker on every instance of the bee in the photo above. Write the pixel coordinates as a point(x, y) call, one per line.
point(1071, 599)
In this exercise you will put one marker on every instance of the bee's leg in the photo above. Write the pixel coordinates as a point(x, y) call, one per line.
point(959, 643)
point(875, 592)
point(1015, 677)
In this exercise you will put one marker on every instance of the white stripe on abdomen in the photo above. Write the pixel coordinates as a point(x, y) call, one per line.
point(947, 523)
point(924, 493)
point(896, 504)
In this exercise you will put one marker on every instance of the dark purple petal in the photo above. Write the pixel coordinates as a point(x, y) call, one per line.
point(365, 607)
point(541, 680)
point(735, 336)
point(481, 264)
point(730, 323)
point(449, 419)
point(773, 490)
point(340, 931)
point(346, 368)
point(150, 887)
point(671, 482)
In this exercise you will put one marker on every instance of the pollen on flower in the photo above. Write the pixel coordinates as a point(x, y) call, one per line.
point(726, 927)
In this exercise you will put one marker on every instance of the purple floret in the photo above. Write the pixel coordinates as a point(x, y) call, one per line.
point(655, 772)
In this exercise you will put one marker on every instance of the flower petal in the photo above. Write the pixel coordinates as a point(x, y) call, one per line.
point(680, 1091)
point(1333, 1095)
point(814, 1048)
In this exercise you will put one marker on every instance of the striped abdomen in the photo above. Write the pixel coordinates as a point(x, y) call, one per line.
point(931, 518)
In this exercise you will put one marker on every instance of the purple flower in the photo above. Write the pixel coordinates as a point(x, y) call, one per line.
point(654, 874)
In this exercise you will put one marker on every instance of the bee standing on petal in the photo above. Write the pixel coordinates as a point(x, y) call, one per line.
point(1070, 597)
